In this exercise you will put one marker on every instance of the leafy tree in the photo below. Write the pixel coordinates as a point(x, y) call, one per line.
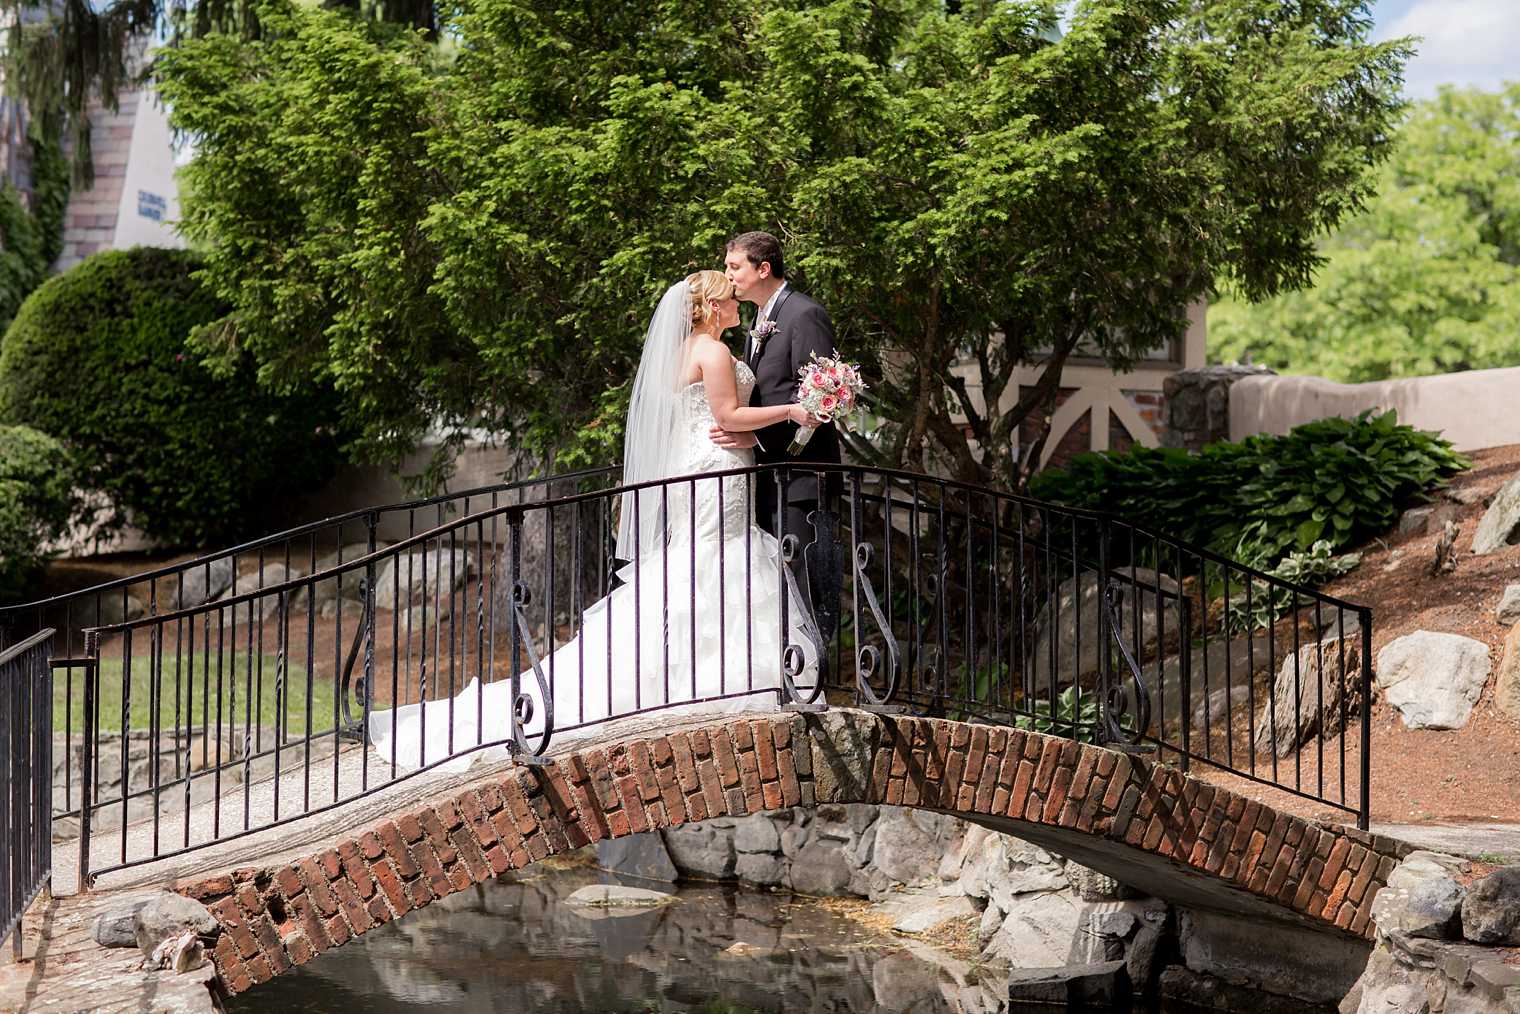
point(475, 238)
point(1427, 279)
point(36, 502)
point(62, 54)
point(96, 359)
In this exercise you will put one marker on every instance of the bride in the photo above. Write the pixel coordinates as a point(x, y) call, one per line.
point(694, 626)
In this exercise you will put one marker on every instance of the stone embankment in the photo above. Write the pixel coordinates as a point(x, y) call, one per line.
point(1058, 924)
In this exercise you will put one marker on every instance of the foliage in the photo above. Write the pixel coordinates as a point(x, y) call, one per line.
point(1337, 480)
point(1427, 279)
point(36, 501)
point(446, 236)
point(1066, 718)
point(1268, 601)
point(31, 239)
point(97, 358)
point(65, 55)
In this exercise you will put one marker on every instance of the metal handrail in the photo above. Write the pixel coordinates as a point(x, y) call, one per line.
point(26, 779)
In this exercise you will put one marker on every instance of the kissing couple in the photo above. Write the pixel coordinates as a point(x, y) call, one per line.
point(695, 623)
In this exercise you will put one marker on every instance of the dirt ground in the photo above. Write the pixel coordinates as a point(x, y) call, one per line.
point(1428, 776)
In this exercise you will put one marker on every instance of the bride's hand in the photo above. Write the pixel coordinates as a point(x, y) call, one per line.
point(800, 416)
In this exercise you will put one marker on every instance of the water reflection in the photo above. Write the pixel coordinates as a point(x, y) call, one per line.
point(514, 945)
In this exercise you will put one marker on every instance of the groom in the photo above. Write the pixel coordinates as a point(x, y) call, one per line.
point(788, 326)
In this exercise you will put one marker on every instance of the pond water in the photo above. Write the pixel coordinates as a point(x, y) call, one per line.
point(514, 945)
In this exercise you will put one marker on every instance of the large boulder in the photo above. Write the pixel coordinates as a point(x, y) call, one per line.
point(1491, 910)
point(1500, 526)
point(1311, 692)
point(201, 583)
point(1507, 682)
point(1422, 898)
point(1508, 609)
point(637, 855)
point(413, 577)
point(1433, 679)
point(704, 850)
point(910, 844)
point(262, 606)
point(1209, 693)
point(1070, 618)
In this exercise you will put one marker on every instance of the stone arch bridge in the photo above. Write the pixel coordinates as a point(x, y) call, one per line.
point(1157, 829)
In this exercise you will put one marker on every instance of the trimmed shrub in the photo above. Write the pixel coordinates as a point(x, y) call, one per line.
point(98, 358)
point(36, 502)
point(1341, 481)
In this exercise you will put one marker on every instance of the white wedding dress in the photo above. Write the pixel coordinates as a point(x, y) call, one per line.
point(672, 637)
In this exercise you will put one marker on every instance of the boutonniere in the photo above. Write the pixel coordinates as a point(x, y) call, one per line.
point(762, 331)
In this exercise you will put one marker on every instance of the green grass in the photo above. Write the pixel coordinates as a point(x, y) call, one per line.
point(235, 670)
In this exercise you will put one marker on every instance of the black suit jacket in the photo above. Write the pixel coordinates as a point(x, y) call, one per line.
point(802, 327)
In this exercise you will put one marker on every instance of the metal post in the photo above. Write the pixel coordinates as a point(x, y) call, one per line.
point(1364, 812)
point(87, 759)
point(1185, 671)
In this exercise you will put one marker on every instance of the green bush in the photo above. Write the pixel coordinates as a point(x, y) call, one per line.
point(36, 502)
point(98, 358)
point(1337, 480)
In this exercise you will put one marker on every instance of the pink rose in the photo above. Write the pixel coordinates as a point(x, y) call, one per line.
point(828, 403)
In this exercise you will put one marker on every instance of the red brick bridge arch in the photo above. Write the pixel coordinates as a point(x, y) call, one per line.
point(1175, 836)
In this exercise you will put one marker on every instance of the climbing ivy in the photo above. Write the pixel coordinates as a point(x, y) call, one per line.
point(30, 240)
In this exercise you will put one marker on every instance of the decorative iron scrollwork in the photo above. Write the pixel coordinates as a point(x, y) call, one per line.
point(523, 710)
point(868, 657)
point(793, 658)
point(1115, 703)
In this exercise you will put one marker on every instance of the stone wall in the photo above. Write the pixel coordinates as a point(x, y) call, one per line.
point(1197, 404)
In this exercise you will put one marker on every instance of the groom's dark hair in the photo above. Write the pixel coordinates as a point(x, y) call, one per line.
point(760, 248)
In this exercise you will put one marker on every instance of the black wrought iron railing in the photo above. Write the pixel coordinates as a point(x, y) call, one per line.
point(512, 629)
point(314, 548)
point(26, 769)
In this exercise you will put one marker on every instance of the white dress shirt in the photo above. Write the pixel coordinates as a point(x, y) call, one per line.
point(763, 315)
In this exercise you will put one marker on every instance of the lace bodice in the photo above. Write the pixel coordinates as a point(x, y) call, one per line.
point(703, 455)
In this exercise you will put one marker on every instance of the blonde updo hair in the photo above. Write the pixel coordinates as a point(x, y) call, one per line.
point(707, 287)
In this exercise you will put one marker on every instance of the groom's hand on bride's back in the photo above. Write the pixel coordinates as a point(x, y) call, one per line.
point(733, 441)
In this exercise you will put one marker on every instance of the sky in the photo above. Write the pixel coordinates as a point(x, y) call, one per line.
point(1464, 42)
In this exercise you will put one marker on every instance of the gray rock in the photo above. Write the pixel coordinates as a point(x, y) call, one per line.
point(1307, 693)
point(1508, 610)
point(1507, 680)
point(117, 928)
point(910, 843)
point(166, 915)
point(1491, 910)
point(1104, 986)
point(115, 608)
point(763, 869)
point(1421, 899)
point(411, 577)
point(1061, 632)
point(202, 583)
point(823, 869)
point(637, 855)
point(1433, 679)
point(263, 606)
point(757, 834)
point(350, 609)
point(1500, 526)
point(792, 840)
point(992, 920)
point(701, 850)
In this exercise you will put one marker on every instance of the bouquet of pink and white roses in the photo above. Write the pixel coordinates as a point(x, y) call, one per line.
point(827, 388)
